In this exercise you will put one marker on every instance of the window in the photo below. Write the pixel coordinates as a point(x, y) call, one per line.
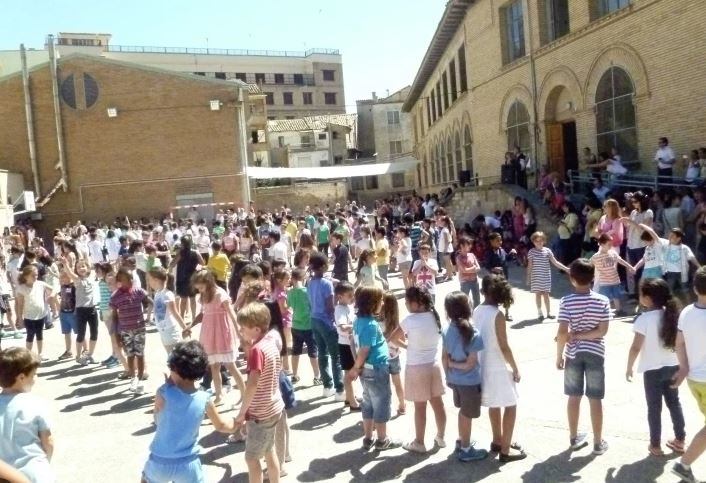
point(308, 98)
point(393, 117)
point(429, 111)
point(397, 180)
point(605, 7)
point(450, 160)
point(615, 114)
point(271, 118)
point(438, 100)
point(220, 75)
point(329, 98)
point(452, 77)
point(259, 78)
point(433, 106)
point(557, 19)
point(518, 123)
point(468, 149)
point(304, 140)
point(462, 68)
point(270, 98)
point(241, 76)
point(371, 182)
point(445, 83)
point(443, 173)
point(338, 160)
point(514, 31)
point(289, 117)
point(279, 78)
point(322, 136)
point(357, 184)
point(457, 153)
point(426, 172)
point(299, 79)
point(329, 75)
point(334, 134)
point(288, 98)
point(280, 141)
point(432, 165)
point(200, 73)
point(395, 147)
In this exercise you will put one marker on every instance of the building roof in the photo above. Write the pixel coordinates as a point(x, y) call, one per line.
point(448, 25)
point(312, 123)
point(398, 96)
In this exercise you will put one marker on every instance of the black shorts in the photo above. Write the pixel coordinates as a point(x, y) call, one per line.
point(183, 289)
point(347, 361)
point(5, 304)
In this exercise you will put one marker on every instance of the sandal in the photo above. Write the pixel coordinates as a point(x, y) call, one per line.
point(235, 438)
point(655, 451)
point(415, 447)
point(123, 376)
point(676, 445)
point(496, 448)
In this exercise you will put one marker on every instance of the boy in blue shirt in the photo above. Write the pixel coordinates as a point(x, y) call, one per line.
point(371, 365)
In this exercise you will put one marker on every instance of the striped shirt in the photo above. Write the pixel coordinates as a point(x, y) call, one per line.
point(415, 234)
point(264, 358)
point(128, 303)
point(105, 294)
point(606, 264)
point(541, 275)
point(584, 312)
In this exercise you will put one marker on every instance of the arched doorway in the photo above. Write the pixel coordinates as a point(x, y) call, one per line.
point(562, 146)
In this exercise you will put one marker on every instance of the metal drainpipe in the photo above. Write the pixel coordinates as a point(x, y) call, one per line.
point(533, 82)
point(57, 112)
point(240, 120)
point(30, 123)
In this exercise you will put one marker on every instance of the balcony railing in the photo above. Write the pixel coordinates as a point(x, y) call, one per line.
point(277, 79)
point(143, 49)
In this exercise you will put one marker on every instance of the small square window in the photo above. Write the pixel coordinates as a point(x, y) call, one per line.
point(357, 184)
point(308, 98)
point(279, 78)
point(393, 117)
point(322, 136)
point(397, 180)
point(288, 98)
point(305, 140)
point(329, 75)
point(338, 160)
point(330, 98)
point(241, 76)
point(299, 79)
point(395, 147)
point(334, 134)
point(371, 182)
point(259, 78)
point(270, 98)
point(220, 75)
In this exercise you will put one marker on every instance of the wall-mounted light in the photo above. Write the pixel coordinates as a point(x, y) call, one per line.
point(215, 105)
point(570, 106)
point(112, 112)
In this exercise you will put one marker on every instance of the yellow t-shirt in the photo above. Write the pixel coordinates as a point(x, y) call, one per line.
point(292, 231)
point(219, 265)
point(382, 250)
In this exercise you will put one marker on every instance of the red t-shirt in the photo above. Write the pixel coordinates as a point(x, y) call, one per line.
point(264, 357)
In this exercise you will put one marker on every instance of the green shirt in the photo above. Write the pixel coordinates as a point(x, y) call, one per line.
point(310, 221)
point(219, 230)
point(323, 233)
point(298, 300)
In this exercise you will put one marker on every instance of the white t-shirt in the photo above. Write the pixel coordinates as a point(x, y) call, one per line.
point(343, 315)
point(654, 253)
point(35, 306)
point(404, 250)
point(423, 336)
point(95, 250)
point(423, 277)
point(163, 318)
point(667, 155)
point(203, 243)
point(445, 245)
point(280, 251)
point(653, 355)
point(692, 323)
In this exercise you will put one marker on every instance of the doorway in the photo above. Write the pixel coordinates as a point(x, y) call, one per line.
point(562, 147)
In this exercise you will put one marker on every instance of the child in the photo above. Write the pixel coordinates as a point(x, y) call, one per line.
point(498, 382)
point(179, 409)
point(219, 331)
point(298, 300)
point(606, 262)
point(166, 314)
point(395, 338)
point(468, 268)
point(496, 261)
point(371, 365)
point(5, 306)
point(86, 313)
point(262, 407)
point(463, 375)
point(32, 295)
point(382, 252)
point(67, 318)
point(425, 271)
point(27, 443)
point(656, 331)
point(404, 254)
point(446, 247)
point(343, 316)
point(341, 258)
point(691, 352)
point(367, 275)
point(321, 301)
point(219, 264)
point(281, 281)
point(126, 305)
point(539, 273)
point(654, 251)
point(106, 287)
point(677, 257)
point(583, 323)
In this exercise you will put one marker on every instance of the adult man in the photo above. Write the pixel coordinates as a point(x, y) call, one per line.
point(665, 159)
point(520, 162)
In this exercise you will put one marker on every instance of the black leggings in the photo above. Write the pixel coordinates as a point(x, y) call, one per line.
point(34, 328)
point(86, 315)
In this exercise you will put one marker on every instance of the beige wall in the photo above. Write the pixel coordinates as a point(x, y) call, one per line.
point(660, 59)
point(298, 196)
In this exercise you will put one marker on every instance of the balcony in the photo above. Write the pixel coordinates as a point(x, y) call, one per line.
point(143, 49)
point(277, 79)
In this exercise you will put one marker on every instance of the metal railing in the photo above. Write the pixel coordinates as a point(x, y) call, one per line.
point(145, 49)
point(576, 178)
point(277, 79)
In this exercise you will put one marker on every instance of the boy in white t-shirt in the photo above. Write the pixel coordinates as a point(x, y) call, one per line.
point(691, 352)
point(675, 261)
point(425, 270)
point(166, 315)
point(344, 316)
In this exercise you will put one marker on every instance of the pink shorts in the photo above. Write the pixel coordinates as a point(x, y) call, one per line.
point(423, 382)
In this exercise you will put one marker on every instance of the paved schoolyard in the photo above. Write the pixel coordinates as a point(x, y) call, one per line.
point(102, 431)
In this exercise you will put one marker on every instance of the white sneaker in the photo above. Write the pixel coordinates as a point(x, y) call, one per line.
point(340, 397)
point(140, 389)
point(328, 392)
point(133, 384)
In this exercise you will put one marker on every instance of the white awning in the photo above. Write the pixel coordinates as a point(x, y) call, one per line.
point(400, 165)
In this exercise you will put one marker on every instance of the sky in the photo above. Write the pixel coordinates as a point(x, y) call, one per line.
point(382, 42)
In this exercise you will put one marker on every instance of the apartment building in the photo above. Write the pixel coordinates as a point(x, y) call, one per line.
point(552, 77)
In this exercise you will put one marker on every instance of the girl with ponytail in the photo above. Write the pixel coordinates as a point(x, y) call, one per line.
point(655, 336)
point(423, 381)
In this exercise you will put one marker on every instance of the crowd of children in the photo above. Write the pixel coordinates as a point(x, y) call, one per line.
point(259, 304)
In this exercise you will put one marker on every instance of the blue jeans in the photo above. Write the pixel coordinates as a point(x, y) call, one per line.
point(658, 385)
point(326, 339)
point(585, 367)
point(377, 394)
point(471, 287)
point(177, 470)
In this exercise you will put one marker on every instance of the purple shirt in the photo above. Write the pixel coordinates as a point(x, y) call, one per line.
point(128, 303)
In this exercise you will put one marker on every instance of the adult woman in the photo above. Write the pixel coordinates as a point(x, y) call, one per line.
point(641, 214)
point(568, 231)
point(610, 224)
point(518, 219)
point(186, 261)
point(529, 217)
point(693, 167)
point(592, 213)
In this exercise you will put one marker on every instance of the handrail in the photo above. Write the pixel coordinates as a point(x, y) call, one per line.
point(628, 180)
point(144, 49)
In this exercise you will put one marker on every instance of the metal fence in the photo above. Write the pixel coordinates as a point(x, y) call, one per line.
point(578, 178)
point(146, 49)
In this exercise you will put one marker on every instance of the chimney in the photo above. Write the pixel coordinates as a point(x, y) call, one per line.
point(375, 96)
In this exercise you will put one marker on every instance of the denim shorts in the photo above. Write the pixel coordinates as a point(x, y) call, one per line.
point(587, 367)
point(377, 394)
point(394, 364)
point(300, 338)
point(177, 470)
point(652, 272)
point(68, 322)
point(611, 291)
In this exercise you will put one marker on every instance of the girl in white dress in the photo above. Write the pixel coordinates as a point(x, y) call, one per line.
point(498, 380)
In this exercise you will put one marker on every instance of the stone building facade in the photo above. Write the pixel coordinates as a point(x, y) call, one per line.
point(165, 146)
point(554, 76)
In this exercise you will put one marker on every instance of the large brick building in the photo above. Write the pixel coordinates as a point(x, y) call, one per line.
point(553, 76)
point(137, 140)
